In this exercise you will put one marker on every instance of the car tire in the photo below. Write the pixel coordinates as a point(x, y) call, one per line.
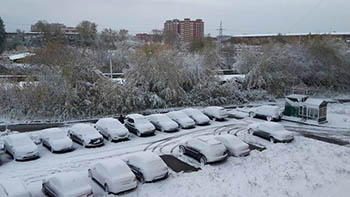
point(142, 179)
point(272, 140)
point(51, 149)
point(109, 138)
point(138, 133)
point(203, 160)
point(182, 149)
point(90, 174)
point(269, 118)
point(251, 114)
point(106, 189)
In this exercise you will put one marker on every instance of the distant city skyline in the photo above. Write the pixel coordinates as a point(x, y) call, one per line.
point(137, 16)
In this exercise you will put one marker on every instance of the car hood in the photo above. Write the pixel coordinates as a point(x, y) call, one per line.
point(169, 125)
point(26, 149)
point(119, 132)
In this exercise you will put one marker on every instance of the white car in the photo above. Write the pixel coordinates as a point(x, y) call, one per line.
point(197, 116)
point(21, 147)
point(139, 125)
point(266, 111)
point(68, 184)
point(114, 175)
point(272, 131)
point(163, 123)
point(56, 140)
point(86, 135)
point(147, 166)
point(205, 149)
point(13, 188)
point(112, 129)
point(215, 112)
point(182, 119)
point(234, 145)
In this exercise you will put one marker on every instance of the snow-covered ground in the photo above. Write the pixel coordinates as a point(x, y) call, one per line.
point(305, 167)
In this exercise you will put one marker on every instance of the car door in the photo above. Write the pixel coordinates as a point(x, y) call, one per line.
point(130, 124)
point(194, 152)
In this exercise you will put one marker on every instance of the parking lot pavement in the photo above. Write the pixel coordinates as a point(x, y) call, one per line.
point(177, 165)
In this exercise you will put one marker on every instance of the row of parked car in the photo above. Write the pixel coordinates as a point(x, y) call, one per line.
point(22, 147)
point(114, 175)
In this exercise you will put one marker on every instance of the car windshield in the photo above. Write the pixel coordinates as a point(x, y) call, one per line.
point(21, 141)
point(141, 121)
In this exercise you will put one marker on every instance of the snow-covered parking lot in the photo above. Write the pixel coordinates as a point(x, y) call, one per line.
point(304, 167)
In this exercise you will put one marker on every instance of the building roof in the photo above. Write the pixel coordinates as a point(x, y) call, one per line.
point(20, 56)
point(314, 101)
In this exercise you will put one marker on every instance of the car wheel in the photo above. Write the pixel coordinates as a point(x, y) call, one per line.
point(109, 138)
point(203, 160)
point(182, 149)
point(106, 188)
point(89, 173)
point(269, 118)
point(272, 140)
point(51, 149)
point(251, 114)
point(138, 133)
point(142, 179)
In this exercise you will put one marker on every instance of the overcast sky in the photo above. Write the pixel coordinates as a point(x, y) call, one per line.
point(238, 16)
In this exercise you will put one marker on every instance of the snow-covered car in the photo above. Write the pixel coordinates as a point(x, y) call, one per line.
point(215, 112)
point(266, 111)
point(56, 140)
point(205, 149)
point(182, 119)
point(13, 188)
point(234, 145)
point(68, 184)
point(86, 135)
point(21, 147)
point(163, 123)
point(197, 116)
point(147, 166)
point(114, 175)
point(272, 131)
point(112, 129)
point(138, 124)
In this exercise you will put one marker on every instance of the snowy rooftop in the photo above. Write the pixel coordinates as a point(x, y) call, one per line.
point(20, 56)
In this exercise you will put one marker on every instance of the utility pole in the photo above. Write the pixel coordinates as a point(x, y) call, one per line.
point(110, 66)
point(221, 30)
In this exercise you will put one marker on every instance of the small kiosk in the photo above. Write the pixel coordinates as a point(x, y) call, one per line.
point(301, 106)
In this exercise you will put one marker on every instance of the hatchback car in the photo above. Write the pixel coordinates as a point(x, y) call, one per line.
point(13, 188)
point(197, 116)
point(205, 149)
point(86, 135)
point(267, 112)
point(272, 131)
point(21, 147)
point(163, 123)
point(56, 140)
point(112, 129)
point(138, 124)
point(114, 175)
point(147, 166)
point(215, 112)
point(67, 184)
point(182, 119)
point(234, 145)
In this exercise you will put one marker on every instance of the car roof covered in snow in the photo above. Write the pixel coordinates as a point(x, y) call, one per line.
point(18, 137)
point(83, 128)
point(109, 122)
point(69, 181)
point(13, 187)
point(209, 140)
point(144, 157)
point(114, 166)
point(53, 131)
